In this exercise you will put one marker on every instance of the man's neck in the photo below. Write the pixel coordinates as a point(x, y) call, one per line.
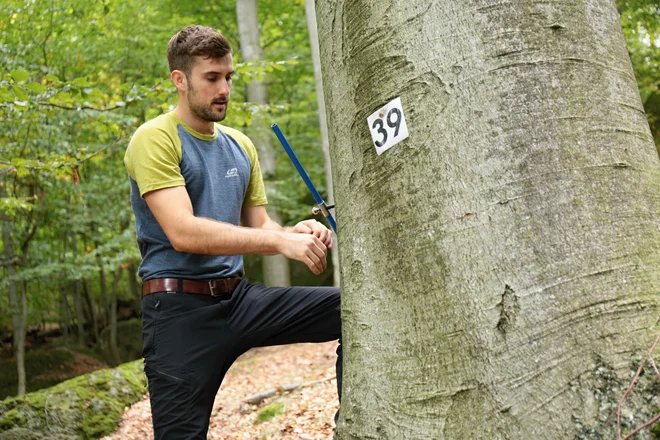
point(203, 127)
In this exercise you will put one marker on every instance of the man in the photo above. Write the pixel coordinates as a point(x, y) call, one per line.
point(199, 203)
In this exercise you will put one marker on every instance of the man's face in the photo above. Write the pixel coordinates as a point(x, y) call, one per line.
point(208, 88)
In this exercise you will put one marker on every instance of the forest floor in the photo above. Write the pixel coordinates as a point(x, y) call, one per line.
point(306, 412)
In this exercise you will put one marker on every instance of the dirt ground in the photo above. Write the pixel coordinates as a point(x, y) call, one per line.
point(307, 412)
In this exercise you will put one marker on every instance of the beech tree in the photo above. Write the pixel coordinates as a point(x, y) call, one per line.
point(500, 265)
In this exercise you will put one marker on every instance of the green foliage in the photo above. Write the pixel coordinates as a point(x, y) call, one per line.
point(640, 20)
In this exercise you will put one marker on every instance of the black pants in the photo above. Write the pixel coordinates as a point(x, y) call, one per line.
point(190, 341)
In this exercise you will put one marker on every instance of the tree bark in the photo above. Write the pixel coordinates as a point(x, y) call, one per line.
point(92, 309)
point(113, 315)
point(18, 308)
point(104, 289)
point(502, 263)
point(64, 303)
point(80, 316)
point(276, 268)
point(64, 314)
point(310, 11)
point(134, 286)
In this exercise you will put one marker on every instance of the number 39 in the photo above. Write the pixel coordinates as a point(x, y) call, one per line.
point(393, 121)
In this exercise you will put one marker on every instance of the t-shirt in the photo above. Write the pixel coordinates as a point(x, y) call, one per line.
point(221, 174)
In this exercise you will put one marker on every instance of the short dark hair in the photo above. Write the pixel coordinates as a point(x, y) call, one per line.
point(192, 41)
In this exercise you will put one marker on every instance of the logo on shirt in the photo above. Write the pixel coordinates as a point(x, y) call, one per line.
point(233, 172)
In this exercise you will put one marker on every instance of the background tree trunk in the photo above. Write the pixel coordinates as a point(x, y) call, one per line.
point(113, 315)
point(105, 318)
point(502, 263)
point(18, 307)
point(64, 303)
point(80, 316)
point(64, 314)
point(275, 268)
point(310, 11)
point(87, 289)
point(134, 286)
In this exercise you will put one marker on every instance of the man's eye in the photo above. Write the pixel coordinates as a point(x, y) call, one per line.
point(212, 79)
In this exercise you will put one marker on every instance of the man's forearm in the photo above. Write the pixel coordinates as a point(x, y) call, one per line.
point(271, 225)
point(198, 235)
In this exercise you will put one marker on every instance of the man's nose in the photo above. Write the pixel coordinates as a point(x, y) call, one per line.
point(224, 88)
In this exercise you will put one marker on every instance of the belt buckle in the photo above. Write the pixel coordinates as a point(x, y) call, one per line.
point(212, 288)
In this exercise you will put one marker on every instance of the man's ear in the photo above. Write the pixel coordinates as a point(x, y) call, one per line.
point(179, 79)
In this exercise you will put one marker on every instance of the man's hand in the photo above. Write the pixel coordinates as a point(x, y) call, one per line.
point(316, 229)
point(305, 247)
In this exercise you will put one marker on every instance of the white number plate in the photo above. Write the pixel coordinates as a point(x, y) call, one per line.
point(388, 126)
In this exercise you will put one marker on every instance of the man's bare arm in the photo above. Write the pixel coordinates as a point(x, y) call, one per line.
point(187, 233)
point(257, 217)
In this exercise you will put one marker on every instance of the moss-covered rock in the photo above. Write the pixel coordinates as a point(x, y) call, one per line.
point(85, 407)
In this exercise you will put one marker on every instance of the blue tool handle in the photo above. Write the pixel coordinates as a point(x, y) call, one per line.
point(303, 173)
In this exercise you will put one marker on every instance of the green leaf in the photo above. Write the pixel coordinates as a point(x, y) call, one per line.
point(5, 95)
point(81, 82)
point(52, 78)
point(36, 87)
point(20, 93)
point(61, 96)
point(19, 75)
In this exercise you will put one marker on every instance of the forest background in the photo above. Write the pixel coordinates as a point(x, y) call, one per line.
point(77, 79)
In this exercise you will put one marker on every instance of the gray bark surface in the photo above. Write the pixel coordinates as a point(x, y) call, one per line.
point(18, 308)
point(77, 287)
point(113, 314)
point(87, 289)
point(275, 268)
point(501, 264)
point(310, 11)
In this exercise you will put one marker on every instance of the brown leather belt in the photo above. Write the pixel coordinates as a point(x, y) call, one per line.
point(219, 287)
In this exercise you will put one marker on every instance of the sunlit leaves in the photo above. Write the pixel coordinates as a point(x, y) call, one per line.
point(257, 70)
point(11, 206)
point(36, 88)
point(19, 75)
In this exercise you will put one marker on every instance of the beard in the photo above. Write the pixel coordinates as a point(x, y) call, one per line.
point(205, 112)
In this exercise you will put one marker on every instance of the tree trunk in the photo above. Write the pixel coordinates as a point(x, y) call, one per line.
point(20, 334)
point(64, 314)
point(134, 286)
point(104, 294)
point(92, 309)
point(17, 306)
point(113, 315)
point(276, 268)
point(80, 316)
point(64, 303)
point(502, 263)
point(310, 10)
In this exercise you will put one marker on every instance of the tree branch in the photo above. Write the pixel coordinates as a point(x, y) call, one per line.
point(82, 107)
point(628, 391)
point(257, 398)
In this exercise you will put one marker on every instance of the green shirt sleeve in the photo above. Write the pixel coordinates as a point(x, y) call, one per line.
point(153, 157)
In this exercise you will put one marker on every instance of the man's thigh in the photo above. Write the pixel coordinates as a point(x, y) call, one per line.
point(188, 348)
point(284, 315)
